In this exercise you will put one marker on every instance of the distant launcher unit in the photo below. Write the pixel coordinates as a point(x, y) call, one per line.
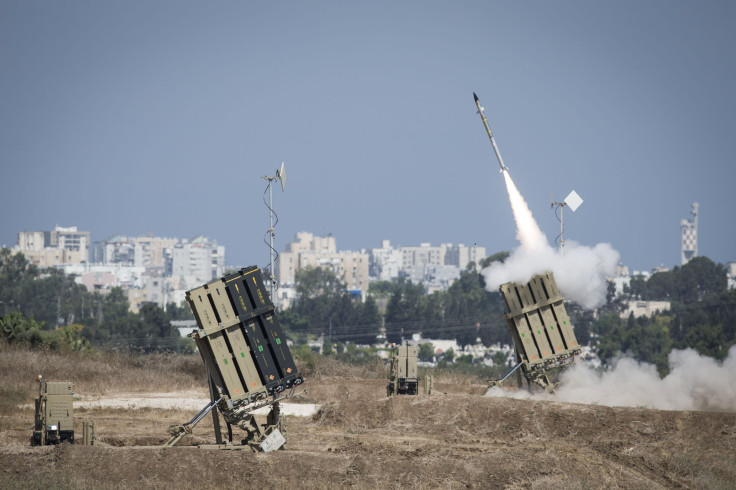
point(245, 353)
point(403, 372)
point(54, 419)
point(540, 328)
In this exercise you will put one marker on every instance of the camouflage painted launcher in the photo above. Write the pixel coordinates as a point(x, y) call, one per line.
point(539, 327)
point(239, 338)
point(403, 371)
point(54, 420)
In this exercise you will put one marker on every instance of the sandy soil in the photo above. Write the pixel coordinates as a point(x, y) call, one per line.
point(179, 400)
point(359, 437)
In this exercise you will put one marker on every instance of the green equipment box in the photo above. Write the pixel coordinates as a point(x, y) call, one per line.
point(54, 419)
point(402, 379)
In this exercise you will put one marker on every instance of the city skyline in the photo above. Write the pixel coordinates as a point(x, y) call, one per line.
point(285, 246)
point(130, 117)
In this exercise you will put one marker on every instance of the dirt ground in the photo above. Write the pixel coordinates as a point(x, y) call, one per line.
point(361, 438)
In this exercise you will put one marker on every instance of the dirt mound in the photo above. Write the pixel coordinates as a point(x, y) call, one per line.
point(361, 438)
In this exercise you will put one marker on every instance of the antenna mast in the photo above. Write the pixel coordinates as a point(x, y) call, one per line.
point(280, 175)
point(574, 201)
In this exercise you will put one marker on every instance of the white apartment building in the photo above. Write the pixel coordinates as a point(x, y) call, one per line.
point(305, 241)
point(56, 247)
point(461, 255)
point(172, 265)
point(103, 277)
point(142, 251)
point(308, 250)
point(386, 262)
point(435, 266)
point(445, 254)
point(424, 254)
point(198, 261)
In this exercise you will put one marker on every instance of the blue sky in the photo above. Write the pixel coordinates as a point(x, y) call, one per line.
point(135, 116)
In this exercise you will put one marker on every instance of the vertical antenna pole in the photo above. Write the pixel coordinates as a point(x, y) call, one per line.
point(272, 276)
point(280, 175)
point(561, 205)
point(562, 230)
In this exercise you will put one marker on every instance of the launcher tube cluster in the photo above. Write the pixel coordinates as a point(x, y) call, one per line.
point(539, 326)
point(240, 340)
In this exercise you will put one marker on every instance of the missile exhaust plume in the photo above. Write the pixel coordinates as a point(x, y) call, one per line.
point(527, 230)
point(695, 382)
point(580, 272)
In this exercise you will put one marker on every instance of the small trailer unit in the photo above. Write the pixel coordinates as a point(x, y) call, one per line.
point(402, 378)
point(54, 419)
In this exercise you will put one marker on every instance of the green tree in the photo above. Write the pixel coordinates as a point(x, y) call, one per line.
point(636, 289)
point(381, 289)
point(327, 347)
point(15, 328)
point(471, 311)
point(466, 359)
point(182, 311)
point(54, 298)
point(699, 278)
point(365, 324)
point(450, 354)
point(313, 282)
point(610, 331)
point(709, 326)
point(499, 358)
point(155, 322)
point(403, 312)
point(582, 321)
point(426, 352)
point(71, 335)
point(14, 271)
point(660, 286)
point(324, 307)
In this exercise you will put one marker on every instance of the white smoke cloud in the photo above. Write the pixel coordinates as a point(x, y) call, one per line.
point(695, 382)
point(580, 271)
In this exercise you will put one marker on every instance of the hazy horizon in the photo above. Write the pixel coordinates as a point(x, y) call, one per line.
point(130, 117)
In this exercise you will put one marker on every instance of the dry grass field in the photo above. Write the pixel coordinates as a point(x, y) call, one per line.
point(359, 437)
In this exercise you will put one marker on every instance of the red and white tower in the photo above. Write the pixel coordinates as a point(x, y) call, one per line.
point(690, 235)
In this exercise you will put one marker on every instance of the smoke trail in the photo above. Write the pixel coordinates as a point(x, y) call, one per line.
point(695, 382)
point(580, 272)
point(527, 230)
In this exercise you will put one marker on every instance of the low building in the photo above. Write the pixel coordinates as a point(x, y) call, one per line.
point(644, 308)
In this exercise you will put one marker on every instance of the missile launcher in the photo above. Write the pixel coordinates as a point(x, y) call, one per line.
point(240, 339)
point(543, 337)
point(402, 378)
point(246, 355)
point(54, 419)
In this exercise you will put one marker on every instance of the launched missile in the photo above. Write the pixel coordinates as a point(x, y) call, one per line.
point(490, 135)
